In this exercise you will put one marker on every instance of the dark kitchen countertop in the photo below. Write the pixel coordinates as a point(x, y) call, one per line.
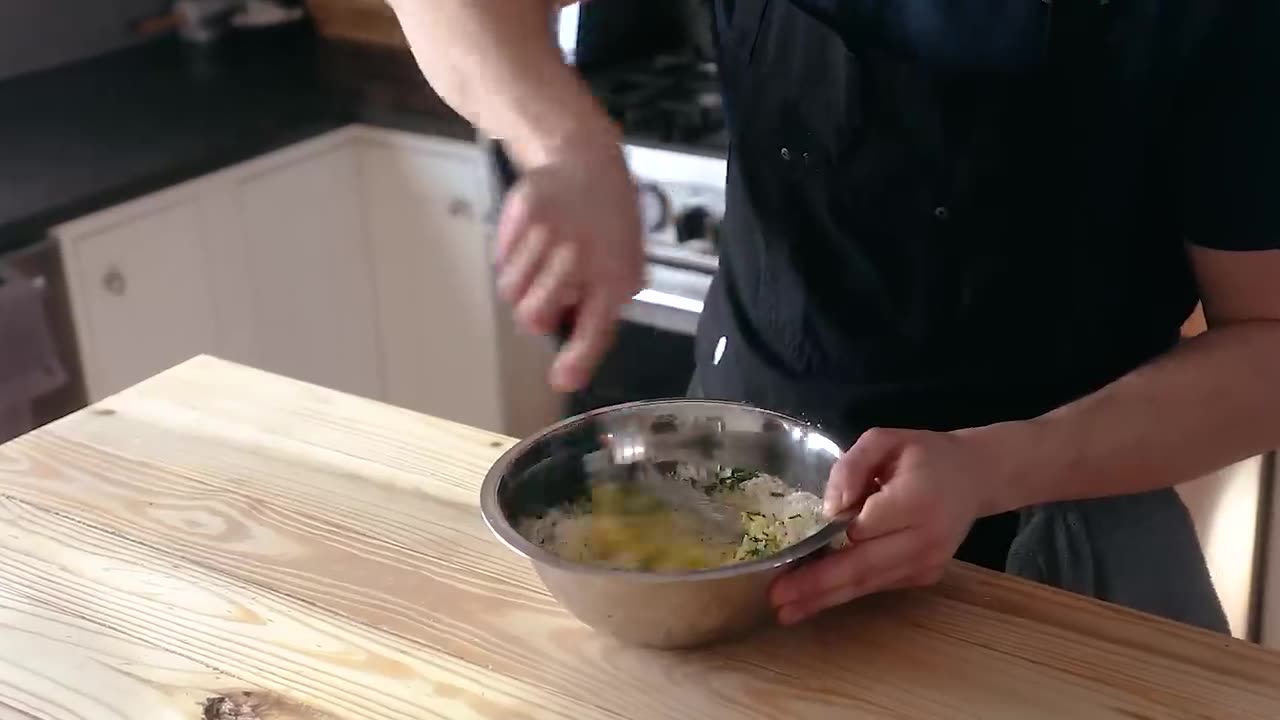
point(80, 138)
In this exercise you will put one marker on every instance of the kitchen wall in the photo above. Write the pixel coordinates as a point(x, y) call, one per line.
point(1225, 508)
point(39, 34)
point(1270, 610)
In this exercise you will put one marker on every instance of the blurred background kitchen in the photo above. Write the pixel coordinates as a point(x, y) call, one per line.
point(272, 182)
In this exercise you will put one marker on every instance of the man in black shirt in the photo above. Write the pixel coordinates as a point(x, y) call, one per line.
point(962, 236)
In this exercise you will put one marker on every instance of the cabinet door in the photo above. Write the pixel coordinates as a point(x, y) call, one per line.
point(140, 293)
point(308, 273)
point(434, 283)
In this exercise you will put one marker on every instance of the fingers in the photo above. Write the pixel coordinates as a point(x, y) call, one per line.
point(852, 570)
point(514, 221)
point(523, 262)
point(569, 245)
point(547, 296)
point(537, 270)
point(902, 580)
point(853, 477)
point(887, 563)
point(592, 334)
point(538, 258)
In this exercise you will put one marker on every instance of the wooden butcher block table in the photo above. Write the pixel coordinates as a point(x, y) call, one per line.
point(218, 542)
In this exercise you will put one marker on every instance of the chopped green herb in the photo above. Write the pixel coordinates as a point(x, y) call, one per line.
point(736, 477)
point(793, 517)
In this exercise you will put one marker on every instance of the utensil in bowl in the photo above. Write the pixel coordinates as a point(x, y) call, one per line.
point(659, 609)
point(717, 522)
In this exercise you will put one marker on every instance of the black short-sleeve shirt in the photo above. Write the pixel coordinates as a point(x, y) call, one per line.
point(947, 213)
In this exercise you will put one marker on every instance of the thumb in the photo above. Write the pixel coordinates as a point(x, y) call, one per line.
point(853, 477)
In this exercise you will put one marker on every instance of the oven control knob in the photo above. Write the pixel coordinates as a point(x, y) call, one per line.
point(655, 209)
point(696, 223)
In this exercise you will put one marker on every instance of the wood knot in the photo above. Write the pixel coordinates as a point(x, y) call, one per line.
point(258, 705)
point(242, 705)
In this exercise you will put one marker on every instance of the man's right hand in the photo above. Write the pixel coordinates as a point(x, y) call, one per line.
point(570, 253)
point(569, 247)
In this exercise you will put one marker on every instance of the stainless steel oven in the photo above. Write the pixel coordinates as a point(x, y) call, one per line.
point(645, 363)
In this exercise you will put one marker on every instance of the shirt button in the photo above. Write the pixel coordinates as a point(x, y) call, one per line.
point(941, 212)
point(786, 154)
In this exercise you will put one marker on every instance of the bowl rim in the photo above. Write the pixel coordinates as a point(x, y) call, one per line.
point(498, 524)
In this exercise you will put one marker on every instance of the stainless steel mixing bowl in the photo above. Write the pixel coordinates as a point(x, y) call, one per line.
point(658, 609)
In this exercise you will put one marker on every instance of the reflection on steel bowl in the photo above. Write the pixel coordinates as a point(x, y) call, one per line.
point(659, 608)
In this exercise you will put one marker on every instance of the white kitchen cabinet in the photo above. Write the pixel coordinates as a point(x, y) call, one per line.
point(424, 202)
point(357, 260)
point(140, 294)
point(307, 271)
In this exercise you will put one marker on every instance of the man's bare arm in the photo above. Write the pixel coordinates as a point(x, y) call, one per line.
point(496, 63)
point(569, 251)
point(1213, 399)
point(1204, 405)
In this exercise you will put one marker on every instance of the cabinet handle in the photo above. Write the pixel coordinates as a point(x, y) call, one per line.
point(114, 281)
point(460, 208)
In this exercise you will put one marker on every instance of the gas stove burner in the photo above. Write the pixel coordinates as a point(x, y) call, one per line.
point(672, 99)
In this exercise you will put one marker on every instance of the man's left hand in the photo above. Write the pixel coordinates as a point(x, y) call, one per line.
point(918, 492)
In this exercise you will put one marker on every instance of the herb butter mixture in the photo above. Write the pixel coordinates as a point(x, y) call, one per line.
point(623, 526)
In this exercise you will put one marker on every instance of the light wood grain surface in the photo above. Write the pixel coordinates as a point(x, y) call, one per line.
point(219, 540)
